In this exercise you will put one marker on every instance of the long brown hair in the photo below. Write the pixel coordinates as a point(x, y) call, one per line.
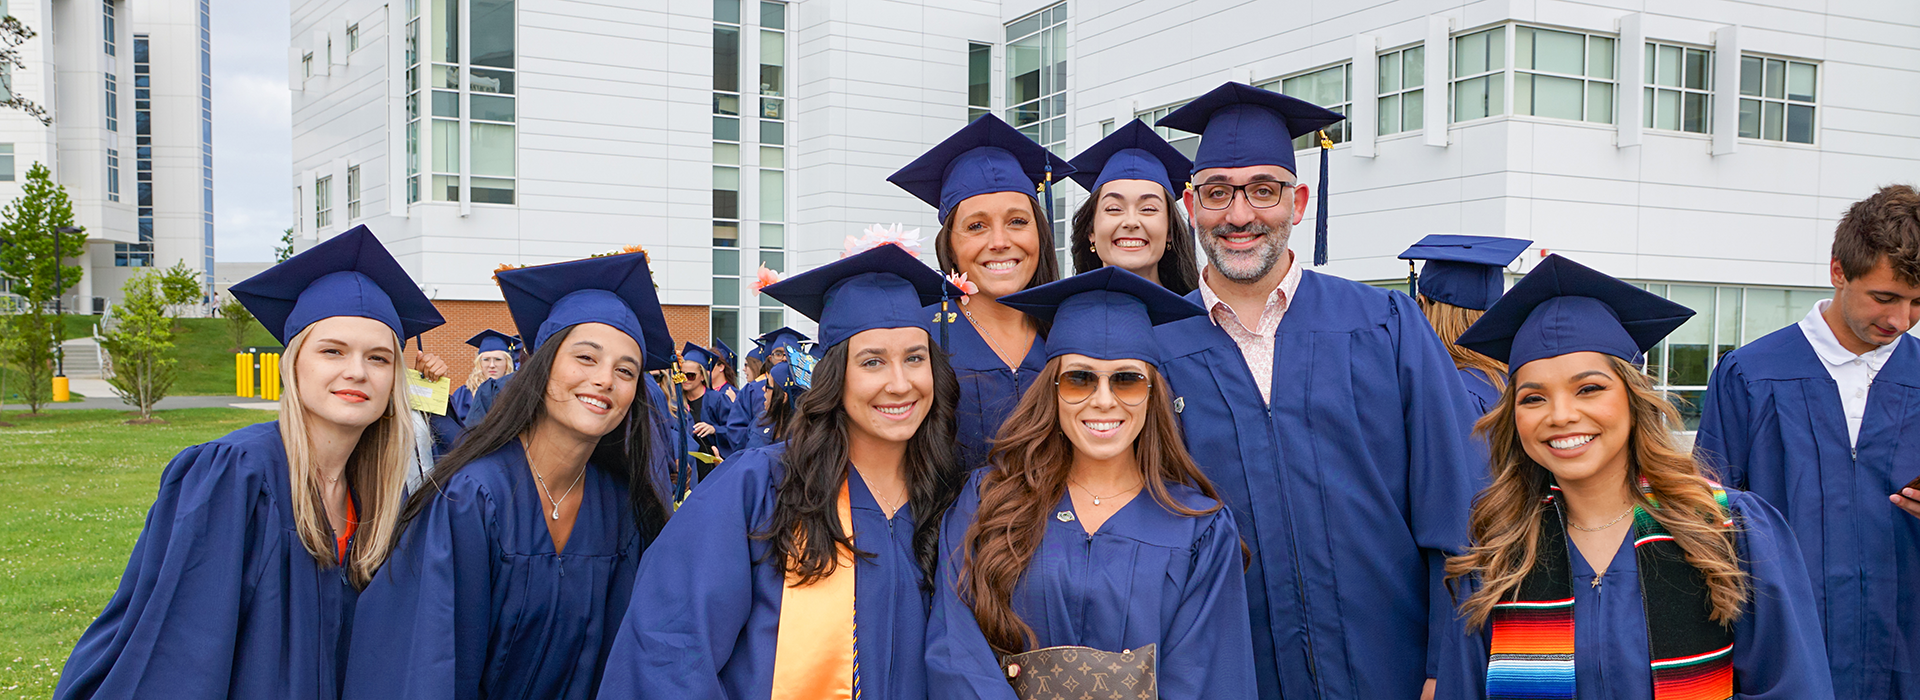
point(1046, 270)
point(1449, 322)
point(1505, 521)
point(1179, 268)
point(1031, 461)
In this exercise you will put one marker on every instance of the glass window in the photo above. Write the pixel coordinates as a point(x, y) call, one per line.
point(446, 146)
point(353, 192)
point(773, 15)
point(726, 153)
point(726, 194)
point(773, 133)
point(1479, 79)
point(773, 62)
point(979, 72)
point(113, 175)
point(1331, 88)
point(496, 82)
point(443, 45)
point(109, 33)
point(113, 103)
point(492, 108)
point(1037, 76)
point(1777, 99)
point(492, 30)
point(1679, 92)
point(773, 236)
point(726, 261)
point(726, 128)
point(726, 58)
point(1563, 75)
point(323, 202)
point(773, 195)
point(773, 157)
point(6, 162)
point(353, 38)
point(726, 233)
point(726, 11)
point(446, 104)
point(771, 321)
point(726, 290)
point(726, 324)
point(773, 259)
point(493, 150)
point(1403, 76)
point(1187, 143)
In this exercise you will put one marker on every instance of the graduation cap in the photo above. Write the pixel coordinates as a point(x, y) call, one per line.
point(727, 356)
point(706, 358)
point(983, 157)
point(784, 336)
point(491, 340)
point(616, 290)
point(1106, 314)
point(1132, 152)
point(347, 275)
point(885, 287)
point(788, 378)
point(1564, 307)
point(1241, 125)
point(1465, 271)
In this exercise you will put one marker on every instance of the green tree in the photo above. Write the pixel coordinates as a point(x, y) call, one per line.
point(285, 249)
point(239, 321)
point(29, 235)
point(140, 345)
point(179, 287)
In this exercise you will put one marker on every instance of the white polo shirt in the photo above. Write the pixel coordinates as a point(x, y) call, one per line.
point(1854, 373)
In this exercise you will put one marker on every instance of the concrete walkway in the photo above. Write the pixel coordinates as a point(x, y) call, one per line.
point(109, 401)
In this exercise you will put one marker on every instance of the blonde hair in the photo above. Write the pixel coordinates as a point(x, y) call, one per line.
point(376, 470)
point(478, 375)
point(1505, 521)
point(1449, 322)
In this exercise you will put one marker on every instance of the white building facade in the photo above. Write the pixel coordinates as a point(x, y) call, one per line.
point(128, 84)
point(1703, 149)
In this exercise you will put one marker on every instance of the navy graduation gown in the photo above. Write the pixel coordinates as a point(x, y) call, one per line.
point(220, 598)
point(475, 603)
point(711, 615)
point(1481, 393)
point(749, 409)
point(732, 422)
point(988, 388)
point(1351, 488)
point(482, 400)
point(1772, 423)
point(1777, 654)
point(1147, 576)
point(458, 402)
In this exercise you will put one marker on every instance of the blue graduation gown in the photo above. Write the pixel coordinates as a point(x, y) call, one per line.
point(988, 388)
point(712, 613)
point(482, 401)
point(458, 402)
point(732, 422)
point(475, 603)
point(1147, 576)
point(1777, 654)
point(220, 598)
point(1351, 488)
point(1480, 393)
point(1772, 423)
point(749, 409)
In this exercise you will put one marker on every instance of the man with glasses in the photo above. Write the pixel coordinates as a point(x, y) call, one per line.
point(1327, 413)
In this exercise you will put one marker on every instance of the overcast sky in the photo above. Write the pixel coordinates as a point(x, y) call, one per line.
point(252, 129)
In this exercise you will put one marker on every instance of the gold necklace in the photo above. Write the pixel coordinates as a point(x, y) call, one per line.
point(1098, 499)
point(1610, 523)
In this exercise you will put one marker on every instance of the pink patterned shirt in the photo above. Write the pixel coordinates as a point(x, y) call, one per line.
point(1256, 343)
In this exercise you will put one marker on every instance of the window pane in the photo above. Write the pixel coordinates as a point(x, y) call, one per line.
point(726, 291)
point(1413, 110)
point(979, 72)
point(773, 195)
point(771, 321)
point(1688, 346)
point(1666, 110)
point(726, 103)
point(492, 108)
point(773, 259)
point(771, 157)
point(726, 325)
point(1667, 69)
point(773, 15)
point(487, 190)
point(1751, 75)
point(446, 104)
point(773, 61)
point(1523, 93)
point(1559, 52)
point(1776, 78)
point(446, 146)
point(726, 233)
point(1413, 69)
point(728, 153)
point(446, 188)
point(1559, 98)
point(773, 236)
point(1750, 119)
point(446, 76)
point(1771, 116)
point(1727, 323)
point(773, 133)
point(726, 179)
point(1800, 123)
point(726, 261)
point(493, 150)
point(726, 59)
point(1800, 82)
point(1696, 72)
point(1600, 102)
point(1389, 73)
point(1693, 112)
point(492, 81)
point(1651, 59)
point(1470, 99)
point(726, 128)
point(1023, 70)
point(1390, 115)
point(492, 30)
point(1600, 57)
point(1523, 48)
point(772, 108)
point(1497, 55)
point(1470, 54)
point(1023, 27)
point(444, 44)
point(726, 11)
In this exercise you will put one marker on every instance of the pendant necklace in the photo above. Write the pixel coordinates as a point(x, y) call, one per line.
point(1098, 499)
point(984, 335)
point(549, 492)
point(1610, 523)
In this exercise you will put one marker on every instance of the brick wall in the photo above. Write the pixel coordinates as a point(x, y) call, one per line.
point(466, 318)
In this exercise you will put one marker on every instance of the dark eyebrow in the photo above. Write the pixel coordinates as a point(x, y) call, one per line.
point(1529, 385)
point(382, 347)
point(1256, 177)
point(589, 343)
point(1591, 372)
point(1123, 198)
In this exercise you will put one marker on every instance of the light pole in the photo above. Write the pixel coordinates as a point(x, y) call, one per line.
point(59, 320)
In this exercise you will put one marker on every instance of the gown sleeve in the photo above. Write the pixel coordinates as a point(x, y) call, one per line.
point(960, 663)
point(172, 627)
point(1209, 644)
point(736, 420)
point(1779, 650)
point(1721, 442)
point(692, 595)
point(421, 629)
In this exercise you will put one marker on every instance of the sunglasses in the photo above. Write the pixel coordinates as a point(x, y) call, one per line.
point(1078, 385)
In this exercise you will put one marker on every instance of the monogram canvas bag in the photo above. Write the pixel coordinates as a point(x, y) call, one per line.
point(1072, 673)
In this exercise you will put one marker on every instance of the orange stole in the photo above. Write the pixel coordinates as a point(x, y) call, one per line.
point(813, 656)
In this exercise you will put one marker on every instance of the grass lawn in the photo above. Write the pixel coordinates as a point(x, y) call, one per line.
point(201, 344)
point(78, 485)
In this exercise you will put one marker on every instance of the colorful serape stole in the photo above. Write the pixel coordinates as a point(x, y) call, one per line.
point(1533, 649)
point(814, 654)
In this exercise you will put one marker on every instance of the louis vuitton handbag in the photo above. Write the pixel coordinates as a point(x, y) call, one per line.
point(1072, 673)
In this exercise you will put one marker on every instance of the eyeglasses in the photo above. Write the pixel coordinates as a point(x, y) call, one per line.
point(1078, 385)
point(1260, 195)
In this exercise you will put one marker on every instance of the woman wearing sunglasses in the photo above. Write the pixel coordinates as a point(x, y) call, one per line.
point(1093, 527)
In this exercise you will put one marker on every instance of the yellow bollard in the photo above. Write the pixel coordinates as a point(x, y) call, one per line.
point(243, 374)
point(270, 376)
point(60, 392)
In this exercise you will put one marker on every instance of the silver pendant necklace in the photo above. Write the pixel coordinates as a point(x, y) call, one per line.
point(549, 492)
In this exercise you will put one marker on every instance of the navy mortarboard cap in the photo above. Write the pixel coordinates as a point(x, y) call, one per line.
point(783, 336)
point(727, 356)
point(493, 341)
point(1242, 125)
point(1564, 307)
point(759, 352)
point(1106, 314)
point(616, 290)
point(782, 376)
point(885, 287)
point(701, 355)
point(1132, 152)
point(984, 157)
point(347, 275)
point(1465, 271)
